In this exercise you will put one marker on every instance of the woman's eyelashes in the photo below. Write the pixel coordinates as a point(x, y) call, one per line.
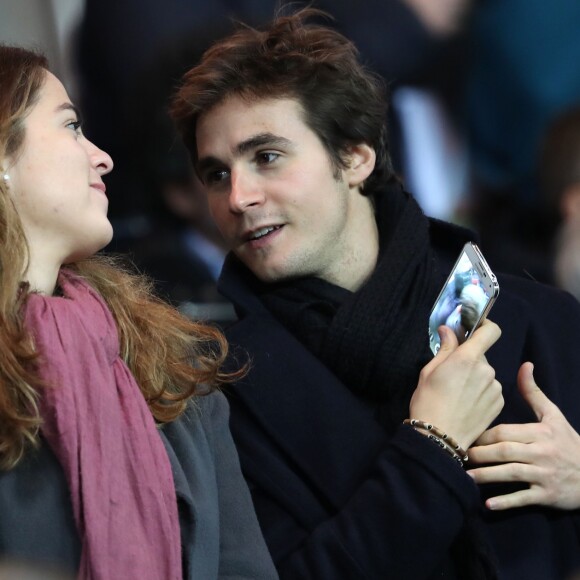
point(75, 125)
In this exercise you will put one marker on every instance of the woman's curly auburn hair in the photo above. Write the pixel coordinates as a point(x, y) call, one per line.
point(171, 357)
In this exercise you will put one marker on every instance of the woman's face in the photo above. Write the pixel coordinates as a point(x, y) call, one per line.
point(56, 182)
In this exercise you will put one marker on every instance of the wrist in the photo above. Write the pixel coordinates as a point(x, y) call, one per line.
point(440, 438)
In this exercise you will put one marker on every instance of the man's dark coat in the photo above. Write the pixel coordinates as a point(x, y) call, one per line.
point(339, 499)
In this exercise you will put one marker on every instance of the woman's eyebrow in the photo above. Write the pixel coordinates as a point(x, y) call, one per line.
point(68, 107)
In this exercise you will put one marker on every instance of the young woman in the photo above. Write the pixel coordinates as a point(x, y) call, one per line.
point(116, 457)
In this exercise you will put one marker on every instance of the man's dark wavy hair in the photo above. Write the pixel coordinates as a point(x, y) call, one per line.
point(343, 102)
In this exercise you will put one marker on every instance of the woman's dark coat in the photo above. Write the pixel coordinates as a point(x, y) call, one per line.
point(220, 536)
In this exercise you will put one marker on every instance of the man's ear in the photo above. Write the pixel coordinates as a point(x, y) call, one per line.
point(361, 159)
point(570, 202)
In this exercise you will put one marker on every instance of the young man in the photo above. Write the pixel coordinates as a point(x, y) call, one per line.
point(333, 270)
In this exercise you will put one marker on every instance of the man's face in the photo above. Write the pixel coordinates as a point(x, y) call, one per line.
point(279, 203)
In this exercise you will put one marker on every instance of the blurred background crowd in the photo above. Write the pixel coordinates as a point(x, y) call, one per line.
point(484, 119)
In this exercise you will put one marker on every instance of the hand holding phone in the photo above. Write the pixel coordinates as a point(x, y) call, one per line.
point(460, 399)
point(465, 299)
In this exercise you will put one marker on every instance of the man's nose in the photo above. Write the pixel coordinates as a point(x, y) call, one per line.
point(245, 192)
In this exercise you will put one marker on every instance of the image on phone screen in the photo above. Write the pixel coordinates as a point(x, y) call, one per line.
point(465, 298)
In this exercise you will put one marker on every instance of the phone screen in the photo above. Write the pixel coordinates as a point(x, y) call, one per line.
point(465, 298)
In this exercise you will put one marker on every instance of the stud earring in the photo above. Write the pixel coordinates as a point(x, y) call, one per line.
point(6, 178)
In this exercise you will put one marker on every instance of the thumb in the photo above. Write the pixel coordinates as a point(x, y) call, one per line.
point(532, 394)
point(449, 341)
point(448, 345)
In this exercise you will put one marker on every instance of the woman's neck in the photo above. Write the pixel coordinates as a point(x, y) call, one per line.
point(41, 276)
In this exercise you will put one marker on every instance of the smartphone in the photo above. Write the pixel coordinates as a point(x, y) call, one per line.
point(465, 299)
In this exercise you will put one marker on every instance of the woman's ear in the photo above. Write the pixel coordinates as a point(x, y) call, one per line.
point(5, 165)
point(361, 159)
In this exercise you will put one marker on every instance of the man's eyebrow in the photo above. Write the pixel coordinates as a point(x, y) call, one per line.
point(253, 142)
point(205, 164)
point(260, 140)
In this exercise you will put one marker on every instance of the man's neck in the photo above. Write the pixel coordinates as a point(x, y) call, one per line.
point(361, 254)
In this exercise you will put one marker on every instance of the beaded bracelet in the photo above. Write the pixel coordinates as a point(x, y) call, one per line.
point(442, 439)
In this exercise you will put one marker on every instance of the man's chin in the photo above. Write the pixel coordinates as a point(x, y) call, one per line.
point(270, 277)
point(268, 274)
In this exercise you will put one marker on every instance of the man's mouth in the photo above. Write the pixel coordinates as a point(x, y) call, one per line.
point(262, 232)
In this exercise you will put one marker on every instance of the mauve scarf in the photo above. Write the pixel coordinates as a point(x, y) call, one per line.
point(373, 339)
point(98, 424)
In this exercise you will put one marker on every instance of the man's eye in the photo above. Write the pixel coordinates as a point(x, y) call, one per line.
point(267, 157)
point(216, 176)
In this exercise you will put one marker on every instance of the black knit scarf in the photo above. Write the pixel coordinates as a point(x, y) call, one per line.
point(375, 340)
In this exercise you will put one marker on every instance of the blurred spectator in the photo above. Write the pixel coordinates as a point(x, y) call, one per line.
point(118, 43)
point(523, 71)
point(46, 25)
point(433, 150)
point(182, 249)
point(559, 177)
